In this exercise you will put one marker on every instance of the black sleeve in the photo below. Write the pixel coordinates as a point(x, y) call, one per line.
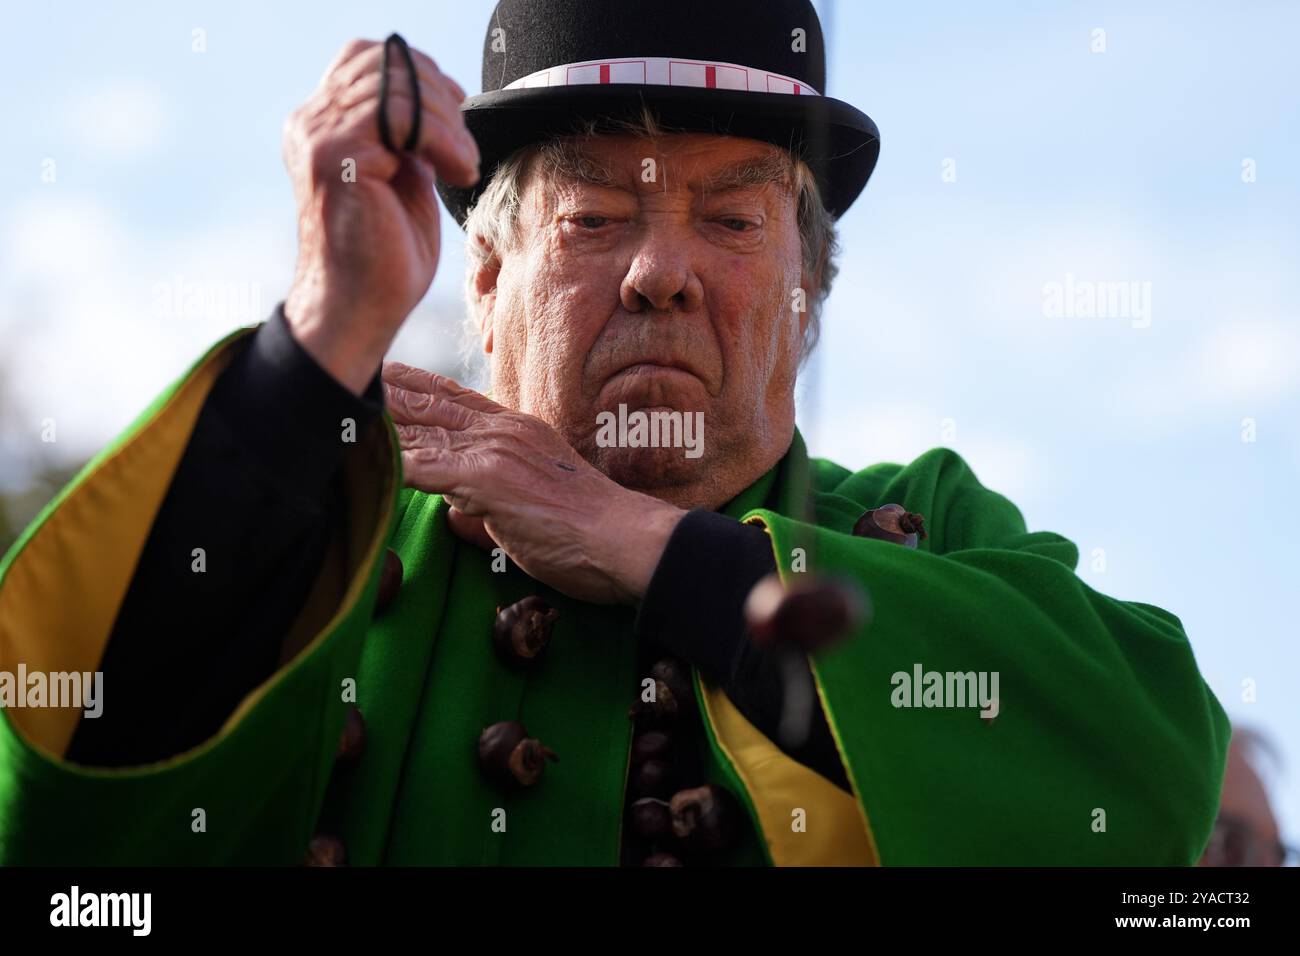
point(694, 609)
point(257, 491)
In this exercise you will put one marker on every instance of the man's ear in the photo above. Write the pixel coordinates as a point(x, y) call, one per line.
point(483, 293)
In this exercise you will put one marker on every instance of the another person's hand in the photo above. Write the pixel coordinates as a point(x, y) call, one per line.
point(512, 481)
point(368, 219)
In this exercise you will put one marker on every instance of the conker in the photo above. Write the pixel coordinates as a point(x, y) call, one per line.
point(651, 819)
point(812, 612)
point(654, 778)
point(522, 632)
point(705, 818)
point(509, 757)
point(650, 743)
point(662, 859)
point(677, 676)
point(891, 523)
point(662, 709)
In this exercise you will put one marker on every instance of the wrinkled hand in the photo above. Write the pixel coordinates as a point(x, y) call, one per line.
point(367, 219)
point(513, 482)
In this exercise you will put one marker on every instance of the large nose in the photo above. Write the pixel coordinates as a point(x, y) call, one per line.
point(661, 276)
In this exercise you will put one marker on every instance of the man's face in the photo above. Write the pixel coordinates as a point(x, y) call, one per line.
point(669, 286)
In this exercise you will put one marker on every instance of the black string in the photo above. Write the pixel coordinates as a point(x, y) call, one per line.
point(385, 135)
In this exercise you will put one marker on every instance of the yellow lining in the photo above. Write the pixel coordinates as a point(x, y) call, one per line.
point(61, 594)
point(777, 786)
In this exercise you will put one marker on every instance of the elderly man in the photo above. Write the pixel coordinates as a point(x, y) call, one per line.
point(538, 651)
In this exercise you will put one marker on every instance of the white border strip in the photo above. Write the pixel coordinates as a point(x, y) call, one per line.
point(665, 71)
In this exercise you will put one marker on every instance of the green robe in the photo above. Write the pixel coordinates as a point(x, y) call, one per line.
point(1108, 747)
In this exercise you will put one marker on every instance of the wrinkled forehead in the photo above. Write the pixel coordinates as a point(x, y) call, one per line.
point(697, 162)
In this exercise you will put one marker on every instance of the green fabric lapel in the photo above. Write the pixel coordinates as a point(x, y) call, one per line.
point(784, 487)
point(432, 683)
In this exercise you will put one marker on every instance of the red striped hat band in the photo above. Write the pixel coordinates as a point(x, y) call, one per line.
point(665, 71)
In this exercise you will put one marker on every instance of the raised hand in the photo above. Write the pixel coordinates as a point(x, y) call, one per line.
point(368, 219)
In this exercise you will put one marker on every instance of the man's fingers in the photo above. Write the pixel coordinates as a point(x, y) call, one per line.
point(434, 471)
point(451, 135)
point(365, 62)
point(363, 78)
point(350, 51)
point(435, 441)
point(470, 528)
point(440, 96)
point(418, 379)
point(399, 375)
point(352, 89)
point(360, 79)
point(446, 144)
point(441, 120)
point(406, 407)
point(424, 63)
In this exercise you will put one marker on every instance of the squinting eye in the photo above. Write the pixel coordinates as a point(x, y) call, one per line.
point(591, 222)
point(737, 225)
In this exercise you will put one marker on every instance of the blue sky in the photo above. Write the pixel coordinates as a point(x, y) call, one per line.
point(1125, 434)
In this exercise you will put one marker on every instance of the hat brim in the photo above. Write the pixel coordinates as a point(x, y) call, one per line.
point(839, 142)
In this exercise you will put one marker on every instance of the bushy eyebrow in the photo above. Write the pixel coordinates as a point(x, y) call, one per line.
point(748, 173)
point(567, 159)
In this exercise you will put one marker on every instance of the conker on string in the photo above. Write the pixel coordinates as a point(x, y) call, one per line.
point(651, 819)
point(509, 757)
point(811, 612)
point(891, 523)
point(705, 818)
point(662, 859)
point(352, 741)
point(522, 632)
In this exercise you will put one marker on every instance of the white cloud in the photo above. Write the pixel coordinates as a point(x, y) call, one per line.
point(1253, 361)
point(866, 435)
point(1005, 464)
point(1239, 367)
point(87, 342)
point(120, 122)
point(46, 236)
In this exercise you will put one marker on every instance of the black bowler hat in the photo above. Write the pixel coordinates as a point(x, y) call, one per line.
point(751, 68)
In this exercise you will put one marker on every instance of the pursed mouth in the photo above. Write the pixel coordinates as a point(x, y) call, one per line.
point(653, 368)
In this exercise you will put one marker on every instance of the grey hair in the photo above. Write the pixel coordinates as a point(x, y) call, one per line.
point(492, 224)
